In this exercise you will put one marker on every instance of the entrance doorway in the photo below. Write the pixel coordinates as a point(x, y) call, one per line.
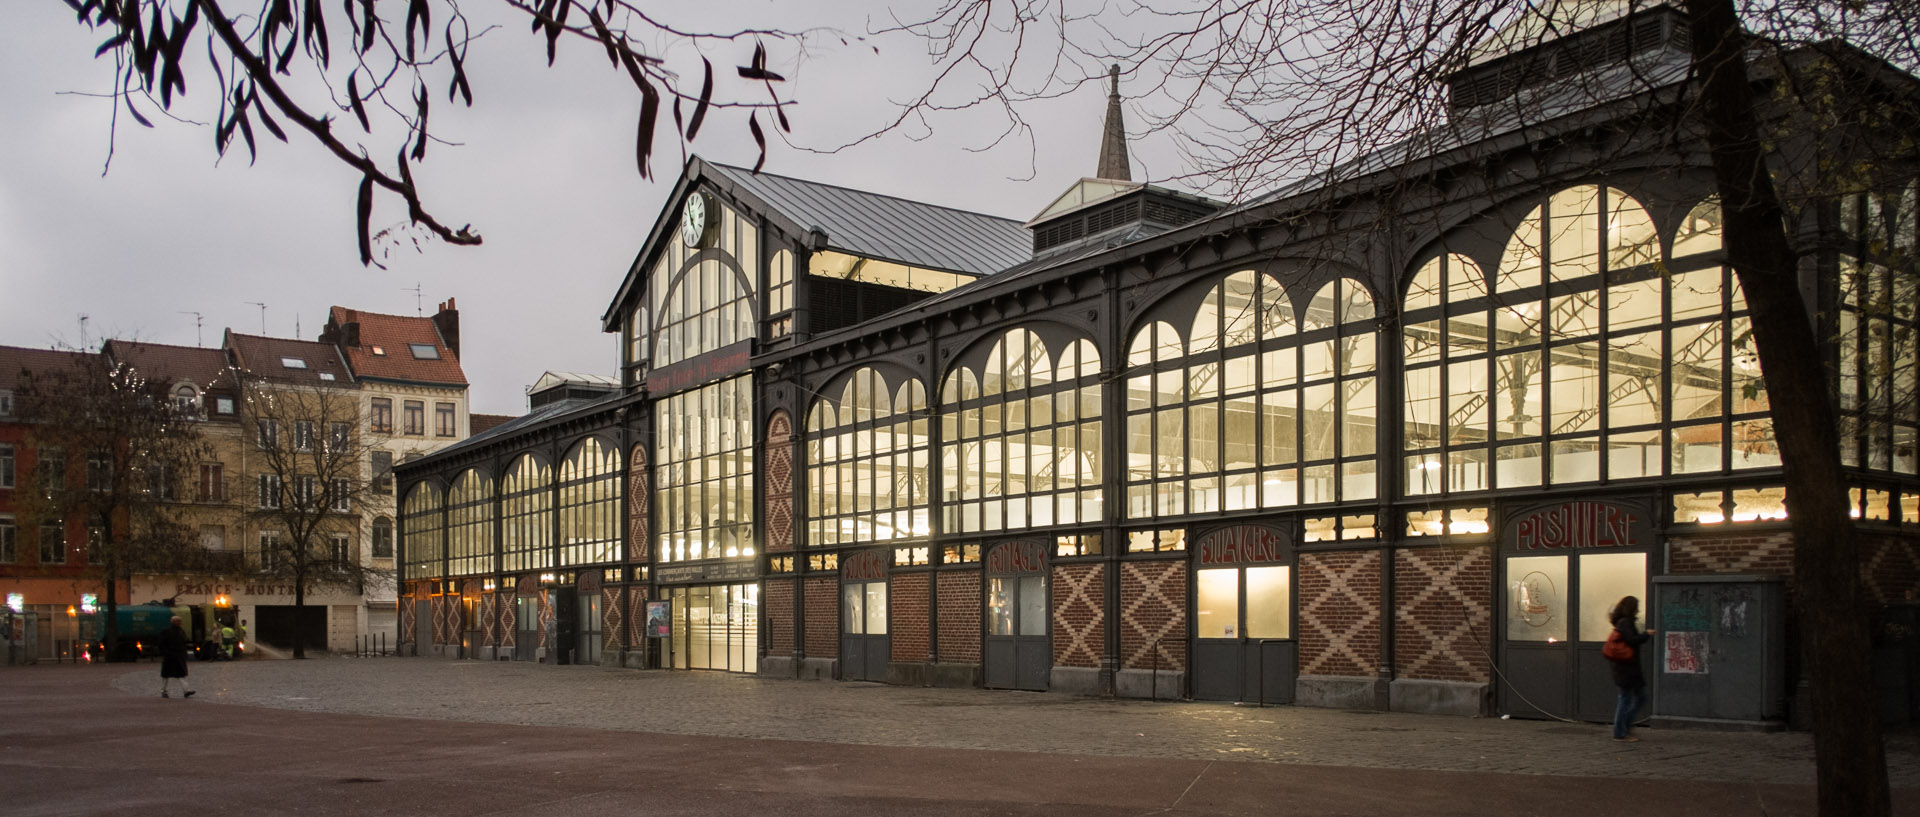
point(1018, 652)
point(716, 627)
point(1243, 643)
point(865, 647)
point(1564, 567)
point(526, 627)
point(588, 651)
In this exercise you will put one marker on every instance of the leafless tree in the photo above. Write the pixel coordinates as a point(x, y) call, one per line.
point(313, 451)
point(273, 64)
point(112, 450)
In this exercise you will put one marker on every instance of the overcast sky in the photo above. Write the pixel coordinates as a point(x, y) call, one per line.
point(544, 171)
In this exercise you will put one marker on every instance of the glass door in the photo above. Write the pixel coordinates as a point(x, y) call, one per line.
point(1556, 621)
point(1244, 648)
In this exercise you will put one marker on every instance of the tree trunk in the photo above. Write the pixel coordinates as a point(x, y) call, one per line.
point(1849, 757)
point(299, 618)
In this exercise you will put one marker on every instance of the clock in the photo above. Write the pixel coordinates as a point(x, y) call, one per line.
point(694, 220)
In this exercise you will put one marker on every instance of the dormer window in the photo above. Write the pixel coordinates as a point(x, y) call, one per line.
point(379, 351)
point(186, 401)
point(424, 351)
point(6, 402)
point(293, 363)
point(328, 376)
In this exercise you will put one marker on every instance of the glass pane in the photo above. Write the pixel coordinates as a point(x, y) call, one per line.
point(1269, 600)
point(1536, 598)
point(999, 607)
point(1033, 605)
point(876, 608)
point(1217, 606)
point(1604, 579)
point(851, 607)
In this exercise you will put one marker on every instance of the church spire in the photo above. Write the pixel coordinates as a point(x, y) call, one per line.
point(1113, 141)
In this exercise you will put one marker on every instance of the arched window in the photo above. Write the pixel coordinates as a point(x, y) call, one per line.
point(425, 542)
point(867, 462)
point(1022, 436)
point(1589, 360)
point(1252, 409)
point(186, 400)
point(470, 525)
point(590, 504)
point(1876, 333)
point(711, 306)
point(526, 516)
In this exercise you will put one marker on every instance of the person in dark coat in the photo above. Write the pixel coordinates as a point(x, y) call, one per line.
point(1627, 675)
point(173, 660)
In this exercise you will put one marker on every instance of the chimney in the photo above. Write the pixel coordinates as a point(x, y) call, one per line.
point(447, 320)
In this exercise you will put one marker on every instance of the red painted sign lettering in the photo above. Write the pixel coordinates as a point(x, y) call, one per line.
point(868, 566)
point(1016, 557)
point(1571, 525)
point(1240, 545)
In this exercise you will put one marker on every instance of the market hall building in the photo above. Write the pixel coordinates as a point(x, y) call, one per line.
point(1399, 444)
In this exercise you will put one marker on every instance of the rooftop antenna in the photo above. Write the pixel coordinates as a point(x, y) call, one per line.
point(296, 324)
point(263, 315)
point(197, 320)
point(415, 289)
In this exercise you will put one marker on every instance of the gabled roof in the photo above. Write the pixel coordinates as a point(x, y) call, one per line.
point(394, 336)
point(17, 359)
point(888, 228)
point(551, 379)
point(205, 368)
point(856, 222)
point(268, 358)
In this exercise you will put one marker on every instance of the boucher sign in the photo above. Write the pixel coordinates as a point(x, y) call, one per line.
point(1241, 544)
point(1579, 525)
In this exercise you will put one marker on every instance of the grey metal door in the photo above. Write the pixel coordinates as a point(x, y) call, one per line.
point(864, 644)
point(526, 625)
point(1019, 654)
point(1556, 621)
point(1243, 647)
point(588, 651)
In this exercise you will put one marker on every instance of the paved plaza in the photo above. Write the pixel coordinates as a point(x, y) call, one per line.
point(408, 736)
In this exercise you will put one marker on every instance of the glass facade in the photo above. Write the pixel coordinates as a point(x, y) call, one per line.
point(867, 462)
point(1588, 354)
point(703, 299)
point(425, 533)
point(1021, 433)
point(590, 504)
point(470, 525)
point(526, 516)
point(1235, 403)
point(715, 627)
point(1877, 335)
point(703, 477)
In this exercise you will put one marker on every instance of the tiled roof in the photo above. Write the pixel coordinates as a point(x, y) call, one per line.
point(393, 334)
point(265, 357)
point(162, 362)
point(16, 359)
point(481, 423)
point(891, 229)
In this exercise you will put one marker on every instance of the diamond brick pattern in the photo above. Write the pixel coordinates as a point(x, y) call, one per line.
point(1153, 611)
point(1891, 567)
point(1740, 553)
point(1443, 619)
point(779, 482)
point(489, 625)
point(546, 620)
point(639, 504)
point(637, 616)
point(504, 609)
point(1339, 613)
point(1079, 614)
point(407, 626)
point(610, 619)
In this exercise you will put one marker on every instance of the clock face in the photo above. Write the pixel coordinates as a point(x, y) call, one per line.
point(693, 220)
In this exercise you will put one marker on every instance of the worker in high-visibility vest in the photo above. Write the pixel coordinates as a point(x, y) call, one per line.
point(227, 640)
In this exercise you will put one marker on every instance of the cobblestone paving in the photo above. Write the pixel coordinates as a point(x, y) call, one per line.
point(722, 705)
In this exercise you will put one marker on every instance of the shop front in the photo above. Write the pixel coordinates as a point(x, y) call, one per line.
point(1565, 564)
point(1244, 647)
point(1019, 653)
point(865, 647)
point(713, 615)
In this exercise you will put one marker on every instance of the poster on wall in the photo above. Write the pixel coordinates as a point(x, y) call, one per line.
point(1686, 653)
point(659, 616)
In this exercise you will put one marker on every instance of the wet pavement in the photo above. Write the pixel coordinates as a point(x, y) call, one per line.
point(403, 736)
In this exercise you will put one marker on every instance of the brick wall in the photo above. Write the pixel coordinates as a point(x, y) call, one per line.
point(637, 616)
point(778, 603)
point(1443, 613)
point(1079, 594)
point(1890, 567)
point(823, 617)
point(613, 618)
point(503, 610)
point(407, 626)
point(960, 606)
point(778, 467)
point(489, 621)
point(1731, 553)
point(1339, 628)
point(908, 607)
point(639, 504)
point(1153, 607)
